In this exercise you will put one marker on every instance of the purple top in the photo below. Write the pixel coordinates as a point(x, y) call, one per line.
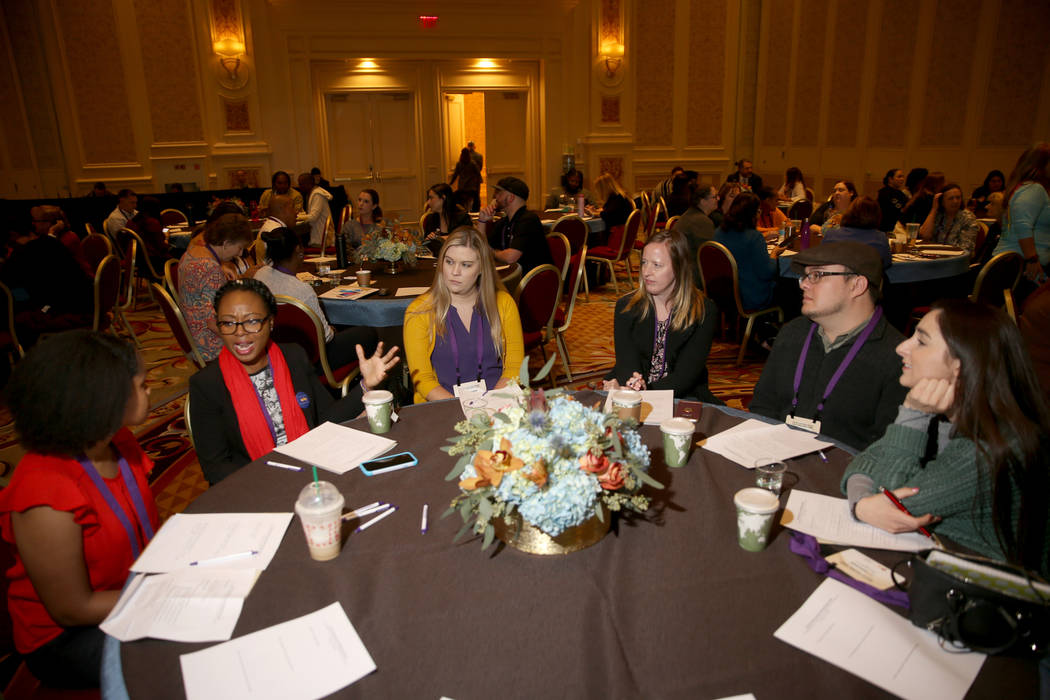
point(455, 356)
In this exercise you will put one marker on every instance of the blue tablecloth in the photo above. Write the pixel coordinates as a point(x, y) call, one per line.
point(905, 270)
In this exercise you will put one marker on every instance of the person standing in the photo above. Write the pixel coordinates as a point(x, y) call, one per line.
point(892, 198)
point(469, 175)
point(318, 213)
point(1026, 224)
point(479, 160)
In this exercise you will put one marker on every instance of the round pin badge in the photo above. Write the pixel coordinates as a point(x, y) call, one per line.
point(303, 399)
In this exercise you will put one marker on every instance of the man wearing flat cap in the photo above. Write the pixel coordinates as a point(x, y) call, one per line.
point(835, 370)
point(519, 236)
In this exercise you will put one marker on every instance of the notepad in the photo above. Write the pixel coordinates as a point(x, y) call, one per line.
point(752, 440)
point(348, 292)
point(411, 291)
point(336, 448)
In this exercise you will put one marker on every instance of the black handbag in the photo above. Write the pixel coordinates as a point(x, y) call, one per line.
point(967, 605)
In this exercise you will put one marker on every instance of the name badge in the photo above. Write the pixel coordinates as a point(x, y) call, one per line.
point(470, 390)
point(812, 426)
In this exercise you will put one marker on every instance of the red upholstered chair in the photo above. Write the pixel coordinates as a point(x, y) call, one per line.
point(618, 248)
point(994, 285)
point(563, 316)
point(327, 244)
point(143, 268)
point(177, 323)
point(92, 249)
point(107, 291)
point(720, 279)
point(296, 323)
point(126, 298)
point(802, 209)
point(173, 217)
point(576, 231)
point(560, 253)
point(8, 336)
point(171, 279)
point(671, 222)
point(538, 296)
point(346, 214)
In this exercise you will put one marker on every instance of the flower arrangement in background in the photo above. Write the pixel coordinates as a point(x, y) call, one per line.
point(555, 463)
point(390, 243)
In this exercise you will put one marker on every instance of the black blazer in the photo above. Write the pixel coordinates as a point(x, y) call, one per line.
point(216, 434)
point(686, 351)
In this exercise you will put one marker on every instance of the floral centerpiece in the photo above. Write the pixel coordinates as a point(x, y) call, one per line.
point(390, 244)
point(547, 465)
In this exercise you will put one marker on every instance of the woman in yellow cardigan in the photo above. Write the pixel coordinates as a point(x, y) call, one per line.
point(466, 327)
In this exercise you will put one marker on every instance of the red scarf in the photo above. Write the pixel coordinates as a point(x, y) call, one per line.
point(255, 429)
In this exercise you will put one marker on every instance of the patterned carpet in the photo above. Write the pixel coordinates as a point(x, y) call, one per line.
point(177, 480)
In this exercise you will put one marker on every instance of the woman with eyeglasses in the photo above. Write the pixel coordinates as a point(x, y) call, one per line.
point(261, 394)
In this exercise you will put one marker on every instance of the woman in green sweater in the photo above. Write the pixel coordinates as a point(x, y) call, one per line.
point(980, 475)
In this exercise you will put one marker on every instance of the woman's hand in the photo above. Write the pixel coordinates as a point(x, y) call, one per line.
point(880, 511)
point(374, 369)
point(610, 385)
point(1034, 272)
point(934, 396)
point(229, 271)
point(636, 382)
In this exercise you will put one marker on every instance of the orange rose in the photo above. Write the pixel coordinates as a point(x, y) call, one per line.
point(491, 466)
point(613, 478)
point(595, 464)
point(538, 474)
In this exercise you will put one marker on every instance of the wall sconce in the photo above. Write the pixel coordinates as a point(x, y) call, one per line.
point(612, 52)
point(229, 52)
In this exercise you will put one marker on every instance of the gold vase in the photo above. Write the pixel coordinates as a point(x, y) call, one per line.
point(529, 538)
point(392, 267)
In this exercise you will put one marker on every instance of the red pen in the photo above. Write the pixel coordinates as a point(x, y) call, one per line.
point(900, 506)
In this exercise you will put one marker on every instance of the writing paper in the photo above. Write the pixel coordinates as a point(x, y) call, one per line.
point(186, 538)
point(336, 448)
point(759, 440)
point(657, 405)
point(828, 519)
point(410, 291)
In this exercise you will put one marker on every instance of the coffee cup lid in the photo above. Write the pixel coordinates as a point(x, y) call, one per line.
point(627, 397)
point(678, 426)
point(318, 495)
point(756, 500)
point(377, 396)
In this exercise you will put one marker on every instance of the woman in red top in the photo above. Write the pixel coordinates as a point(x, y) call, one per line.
point(78, 508)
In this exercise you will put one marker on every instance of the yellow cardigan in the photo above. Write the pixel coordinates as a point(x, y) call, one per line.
point(419, 343)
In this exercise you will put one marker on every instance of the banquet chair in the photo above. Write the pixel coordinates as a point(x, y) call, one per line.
point(561, 254)
point(143, 266)
point(171, 279)
point(982, 236)
point(562, 318)
point(999, 275)
point(537, 297)
point(126, 297)
point(93, 248)
point(256, 251)
point(575, 229)
point(327, 242)
point(720, 279)
point(8, 336)
point(186, 417)
point(172, 217)
point(511, 279)
point(671, 222)
point(346, 215)
point(106, 292)
point(179, 328)
point(802, 209)
point(296, 323)
point(651, 225)
point(618, 248)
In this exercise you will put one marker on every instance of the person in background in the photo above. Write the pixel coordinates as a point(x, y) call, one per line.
point(368, 220)
point(149, 227)
point(794, 187)
point(466, 327)
point(726, 194)
point(830, 213)
point(892, 199)
point(281, 213)
point(1026, 224)
point(280, 183)
point(445, 216)
point(681, 193)
point(83, 475)
point(770, 218)
point(860, 224)
point(985, 482)
point(519, 237)
point(571, 186)
point(948, 222)
point(123, 214)
point(921, 202)
point(319, 180)
point(745, 176)
point(667, 186)
point(616, 205)
point(663, 330)
point(475, 155)
point(469, 175)
point(51, 220)
point(261, 394)
point(913, 179)
point(841, 328)
point(696, 225)
point(99, 190)
point(758, 270)
point(994, 182)
point(318, 212)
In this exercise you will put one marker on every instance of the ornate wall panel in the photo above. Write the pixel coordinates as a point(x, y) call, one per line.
point(948, 82)
point(610, 109)
point(653, 45)
point(171, 70)
point(894, 65)
point(846, 69)
point(707, 52)
point(31, 71)
point(778, 70)
point(237, 117)
point(808, 85)
point(14, 125)
point(612, 165)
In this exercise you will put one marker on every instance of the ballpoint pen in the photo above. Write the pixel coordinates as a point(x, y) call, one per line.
point(900, 506)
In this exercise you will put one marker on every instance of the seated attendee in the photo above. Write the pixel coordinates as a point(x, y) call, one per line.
point(994, 181)
point(830, 213)
point(663, 330)
point(99, 189)
point(368, 220)
point(948, 222)
point(281, 214)
point(770, 218)
point(984, 481)
point(859, 224)
point(519, 237)
point(696, 225)
point(445, 216)
point(918, 207)
point(285, 253)
point(201, 274)
point(745, 176)
point(319, 180)
point(123, 214)
point(841, 329)
point(72, 398)
point(892, 198)
point(913, 180)
point(280, 183)
point(149, 227)
point(758, 270)
point(318, 212)
point(681, 193)
point(794, 187)
point(615, 202)
point(571, 186)
point(51, 220)
point(261, 394)
point(466, 327)
point(726, 194)
point(665, 187)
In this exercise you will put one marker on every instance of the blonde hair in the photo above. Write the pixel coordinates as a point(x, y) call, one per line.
point(687, 302)
point(606, 185)
point(438, 300)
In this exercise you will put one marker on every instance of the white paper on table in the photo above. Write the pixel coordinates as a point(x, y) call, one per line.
point(320, 259)
point(410, 291)
point(492, 400)
point(309, 657)
point(850, 630)
point(192, 605)
point(828, 518)
point(186, 538)
point(657, 405)
point(764, 441)
point(306, 276)
point(336, 448)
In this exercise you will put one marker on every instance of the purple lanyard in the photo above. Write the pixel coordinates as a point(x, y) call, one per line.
point(861, 339)
point(656, 337)
point(455, 347)
point(111, 501)
point(285, 270)
point(213, 253)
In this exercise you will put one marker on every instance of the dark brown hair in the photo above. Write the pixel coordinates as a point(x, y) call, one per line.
point(1032, 166)
point(863, 212)
point(231, 228)
point(742, 214)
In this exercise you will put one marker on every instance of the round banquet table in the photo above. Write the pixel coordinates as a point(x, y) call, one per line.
point(667, 605)
point(906, 268)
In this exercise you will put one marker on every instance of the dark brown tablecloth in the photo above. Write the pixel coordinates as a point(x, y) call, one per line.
point(666, 606)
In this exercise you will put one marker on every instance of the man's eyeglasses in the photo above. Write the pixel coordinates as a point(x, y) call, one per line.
point(818, 275)
point(252, 325)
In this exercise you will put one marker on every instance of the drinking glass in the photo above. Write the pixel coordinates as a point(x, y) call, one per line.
point(769, 475)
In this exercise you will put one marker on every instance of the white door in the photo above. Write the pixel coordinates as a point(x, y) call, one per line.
point(506, 139)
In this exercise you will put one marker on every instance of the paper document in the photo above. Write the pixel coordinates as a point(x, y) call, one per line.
point(828, 518)
point(306, 276)
point(187, 538)
point(309, 657)
point(320, 259)
point(192, 605)
point(336, 448)
point(657, 405)
point(411, 291)
point(753, 440)
point(850, 630)
point(491, 401)
point(347, 291)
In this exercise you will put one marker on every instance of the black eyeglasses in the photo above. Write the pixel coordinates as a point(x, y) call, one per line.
point(252, 325)
point(818, 275)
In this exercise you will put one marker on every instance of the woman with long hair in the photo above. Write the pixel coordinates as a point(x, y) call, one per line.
point(663, 330)
point(465, 328)
point(469, 176)
point(445, 216)
point(261, 394)
point(794, 187)
point(985, 484)
point(617, 205)
point(830, 213)
point(369, 218)
point(892, 198)
point(1026, 223)
point(948, 222)
point(921, 202)
point(859, 224)
point(726, 194)
point(994, 181)
point(758, 270)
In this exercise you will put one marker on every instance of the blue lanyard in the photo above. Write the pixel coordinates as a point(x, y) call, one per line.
point(455, 345)
point(213, 253)
point(111, 501)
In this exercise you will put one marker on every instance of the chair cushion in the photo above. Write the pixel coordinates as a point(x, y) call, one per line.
point(532, 340)
point(602, 251)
